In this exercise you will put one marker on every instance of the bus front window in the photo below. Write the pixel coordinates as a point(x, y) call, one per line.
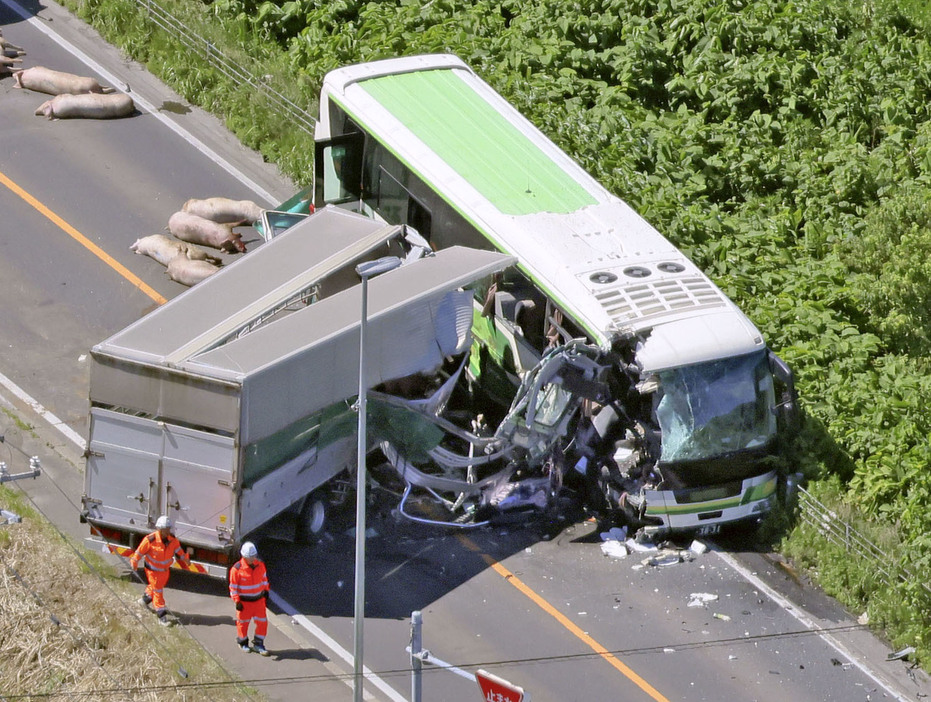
point(716, 408)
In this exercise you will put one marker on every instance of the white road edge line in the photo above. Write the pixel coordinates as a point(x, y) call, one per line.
point(330, 643)
point(139, 100)
point(42, 412)
point(808, 623)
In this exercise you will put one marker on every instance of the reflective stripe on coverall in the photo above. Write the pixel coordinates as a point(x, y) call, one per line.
point(158, 556)
point(249, 585)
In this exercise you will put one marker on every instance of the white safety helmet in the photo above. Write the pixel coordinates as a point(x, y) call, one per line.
point(249, 550)
point(163, 523)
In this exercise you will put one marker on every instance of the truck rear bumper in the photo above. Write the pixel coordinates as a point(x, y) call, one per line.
point(100, 546)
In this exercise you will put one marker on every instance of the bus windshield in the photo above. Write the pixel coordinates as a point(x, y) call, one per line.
point(716, 408)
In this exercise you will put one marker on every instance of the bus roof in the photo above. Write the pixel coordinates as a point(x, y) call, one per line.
point(585, 248)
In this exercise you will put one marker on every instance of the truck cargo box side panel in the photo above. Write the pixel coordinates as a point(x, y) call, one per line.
point(163, 393)
point(277, 491)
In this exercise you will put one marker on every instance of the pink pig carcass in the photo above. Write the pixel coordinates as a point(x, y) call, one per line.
point(198, 230)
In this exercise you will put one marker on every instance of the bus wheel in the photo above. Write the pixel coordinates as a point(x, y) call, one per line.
point(314, 517)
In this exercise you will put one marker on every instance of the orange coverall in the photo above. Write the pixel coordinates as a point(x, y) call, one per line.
point(249, 587)
point(158, 554)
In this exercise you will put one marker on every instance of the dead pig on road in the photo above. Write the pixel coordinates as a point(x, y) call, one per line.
point(163, 249)
point(45, 80)
point(183, 270)
point(224, 210)
point(198, 230)
point(87, 105)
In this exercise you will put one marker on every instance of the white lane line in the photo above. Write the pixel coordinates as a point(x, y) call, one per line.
point(330, 643)
point(42, 412)
point(807, 622)
point(31, 19)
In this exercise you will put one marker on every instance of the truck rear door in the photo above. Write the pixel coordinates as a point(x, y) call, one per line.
point(139, 468)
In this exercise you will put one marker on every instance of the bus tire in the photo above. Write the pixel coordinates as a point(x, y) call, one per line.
point(314, 518)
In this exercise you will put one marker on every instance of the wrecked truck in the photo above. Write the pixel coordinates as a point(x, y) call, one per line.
point(230, 407)
point(605, 358)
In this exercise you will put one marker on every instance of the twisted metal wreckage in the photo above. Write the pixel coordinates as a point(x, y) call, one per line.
point(564, 425)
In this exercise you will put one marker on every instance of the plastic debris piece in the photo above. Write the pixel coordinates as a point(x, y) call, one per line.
point(665, 560)
point(722, 617)
point(701, 599)
point(582, 466)
point(636, 547)
point(615, 534)
point(615, 549)
point(698, 547)
point(532, 492)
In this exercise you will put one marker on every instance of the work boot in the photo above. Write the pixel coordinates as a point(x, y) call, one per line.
point(243, 645)
point(145, 601)
point(258, 645)
point(162, 616)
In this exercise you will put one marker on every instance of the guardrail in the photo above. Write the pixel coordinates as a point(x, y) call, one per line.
point(840, 533)
point(237, 75)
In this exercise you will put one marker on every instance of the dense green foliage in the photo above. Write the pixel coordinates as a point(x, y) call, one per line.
point(785, 145)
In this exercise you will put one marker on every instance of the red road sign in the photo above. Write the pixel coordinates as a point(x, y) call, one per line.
point(494, 689)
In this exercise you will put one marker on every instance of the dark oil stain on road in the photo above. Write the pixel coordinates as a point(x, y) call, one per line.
point(174, 107)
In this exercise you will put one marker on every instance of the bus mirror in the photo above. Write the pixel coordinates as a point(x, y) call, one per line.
point(787, 412)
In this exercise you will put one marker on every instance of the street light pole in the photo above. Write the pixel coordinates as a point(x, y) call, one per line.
point(365, 270)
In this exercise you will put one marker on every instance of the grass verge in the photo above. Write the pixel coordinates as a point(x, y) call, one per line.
point(72, 627)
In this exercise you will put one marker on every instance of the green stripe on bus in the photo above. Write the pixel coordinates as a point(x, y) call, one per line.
point(473, 139)
point(754, 494)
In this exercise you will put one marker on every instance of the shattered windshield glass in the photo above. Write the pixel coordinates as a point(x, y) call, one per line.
point(716, 408)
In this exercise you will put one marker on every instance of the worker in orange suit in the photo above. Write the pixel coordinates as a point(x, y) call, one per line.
point(249, 590)
point(158, 549)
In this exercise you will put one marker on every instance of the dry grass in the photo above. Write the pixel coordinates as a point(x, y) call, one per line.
point(69, 632)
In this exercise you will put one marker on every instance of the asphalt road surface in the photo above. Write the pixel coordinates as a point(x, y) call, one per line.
point(536, 603)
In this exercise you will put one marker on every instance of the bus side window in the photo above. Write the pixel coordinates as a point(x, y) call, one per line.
point(391, 198)
point(338, 166)
point(419, 218)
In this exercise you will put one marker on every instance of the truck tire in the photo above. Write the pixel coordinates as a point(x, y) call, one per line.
point(314, 517)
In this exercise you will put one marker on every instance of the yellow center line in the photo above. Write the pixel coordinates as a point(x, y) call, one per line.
point(83, 240)
point(565, 621)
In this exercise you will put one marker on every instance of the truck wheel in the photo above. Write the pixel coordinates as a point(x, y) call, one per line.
point(314, 518)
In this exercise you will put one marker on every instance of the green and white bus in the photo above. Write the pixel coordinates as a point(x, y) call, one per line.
point(685, 407)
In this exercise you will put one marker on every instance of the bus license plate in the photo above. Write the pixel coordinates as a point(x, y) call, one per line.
point(709, 530)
